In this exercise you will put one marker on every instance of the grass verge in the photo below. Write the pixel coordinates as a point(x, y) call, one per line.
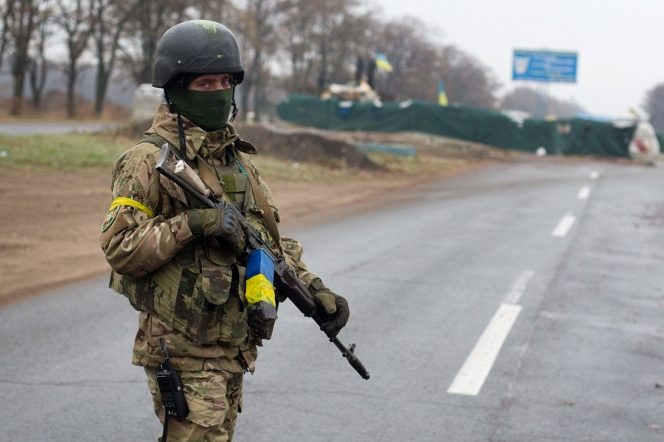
point(64, 152)
point(73, 152)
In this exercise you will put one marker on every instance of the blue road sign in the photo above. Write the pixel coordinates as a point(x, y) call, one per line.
point(545, 66)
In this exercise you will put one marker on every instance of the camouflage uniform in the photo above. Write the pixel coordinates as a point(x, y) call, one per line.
point(189, 291)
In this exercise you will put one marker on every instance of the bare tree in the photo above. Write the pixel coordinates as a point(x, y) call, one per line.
point(530, 100)
point(75, 19)
point(333, 24)
point(110, 18)
point(419, 63)
point(7, 18)
point(468, 81)
point(321, 39)
point(257, 32)
point(217, 10)
point(38, 68)
point(654, 105)
point(416, 61)
point(296, 30)
point(348, 39)
point(144, 29)
point(21, 25)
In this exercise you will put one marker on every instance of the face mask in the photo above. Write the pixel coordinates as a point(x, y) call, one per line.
point(207, 109)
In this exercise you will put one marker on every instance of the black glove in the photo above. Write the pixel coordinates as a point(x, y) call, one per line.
point(222, 222)
point(330, 307)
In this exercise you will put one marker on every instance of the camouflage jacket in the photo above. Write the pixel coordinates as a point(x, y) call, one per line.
point(166, 272)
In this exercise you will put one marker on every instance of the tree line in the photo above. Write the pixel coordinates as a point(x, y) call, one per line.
point(538, 104)
point(529, 100)
point(287, 45)
point(653, 103)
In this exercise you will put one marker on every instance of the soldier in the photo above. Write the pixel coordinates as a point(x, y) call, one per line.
point(181, 265)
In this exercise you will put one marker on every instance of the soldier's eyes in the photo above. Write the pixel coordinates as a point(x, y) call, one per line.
point(223, 83)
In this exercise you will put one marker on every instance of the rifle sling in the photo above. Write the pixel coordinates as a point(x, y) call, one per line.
point(211, 180)
point(261, 201)
point(204, 169)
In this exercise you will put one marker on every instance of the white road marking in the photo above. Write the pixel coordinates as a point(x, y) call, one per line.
point(563, 226)
point(584, 193)
point(475, 370)
point(519, 287)
point(594, 175)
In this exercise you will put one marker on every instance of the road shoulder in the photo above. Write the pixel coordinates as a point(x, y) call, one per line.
point(49, 225)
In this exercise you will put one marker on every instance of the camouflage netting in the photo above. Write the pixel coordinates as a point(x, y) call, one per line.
point(573, 136)
point(660, 138)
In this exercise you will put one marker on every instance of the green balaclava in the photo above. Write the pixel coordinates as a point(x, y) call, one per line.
point(207, 109)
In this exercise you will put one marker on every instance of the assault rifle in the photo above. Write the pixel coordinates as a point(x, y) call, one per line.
point(176, 168)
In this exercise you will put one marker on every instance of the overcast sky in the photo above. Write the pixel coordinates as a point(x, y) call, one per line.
point(620, 43)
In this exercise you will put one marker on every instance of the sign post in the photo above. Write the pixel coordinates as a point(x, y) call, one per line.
point(544, 67)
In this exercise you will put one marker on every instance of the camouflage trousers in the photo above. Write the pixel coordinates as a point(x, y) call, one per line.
point(214, 399)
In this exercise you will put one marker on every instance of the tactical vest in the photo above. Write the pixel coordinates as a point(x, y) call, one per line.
point(200, 292)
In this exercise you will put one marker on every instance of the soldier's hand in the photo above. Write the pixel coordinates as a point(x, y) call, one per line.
point(222, 222)
point(329, 306)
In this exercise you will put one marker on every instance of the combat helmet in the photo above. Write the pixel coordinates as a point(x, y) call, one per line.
point(197, 46)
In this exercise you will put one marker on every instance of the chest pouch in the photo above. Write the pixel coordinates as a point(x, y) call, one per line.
point(199, 295)
point(235, 188)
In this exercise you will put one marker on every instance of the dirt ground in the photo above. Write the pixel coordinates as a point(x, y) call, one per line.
point(50, 220)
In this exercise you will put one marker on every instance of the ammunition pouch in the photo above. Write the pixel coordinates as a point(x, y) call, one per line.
point(199, 293)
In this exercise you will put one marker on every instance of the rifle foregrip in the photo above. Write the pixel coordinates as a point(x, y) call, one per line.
point(290, 285)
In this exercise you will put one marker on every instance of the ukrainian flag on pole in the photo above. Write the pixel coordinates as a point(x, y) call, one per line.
point(382, 63)
point(442, 95)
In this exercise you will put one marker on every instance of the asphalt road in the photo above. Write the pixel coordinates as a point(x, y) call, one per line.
point(520, 302)
point(51, 128)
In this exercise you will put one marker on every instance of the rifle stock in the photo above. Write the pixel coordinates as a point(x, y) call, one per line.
point(286, 280)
